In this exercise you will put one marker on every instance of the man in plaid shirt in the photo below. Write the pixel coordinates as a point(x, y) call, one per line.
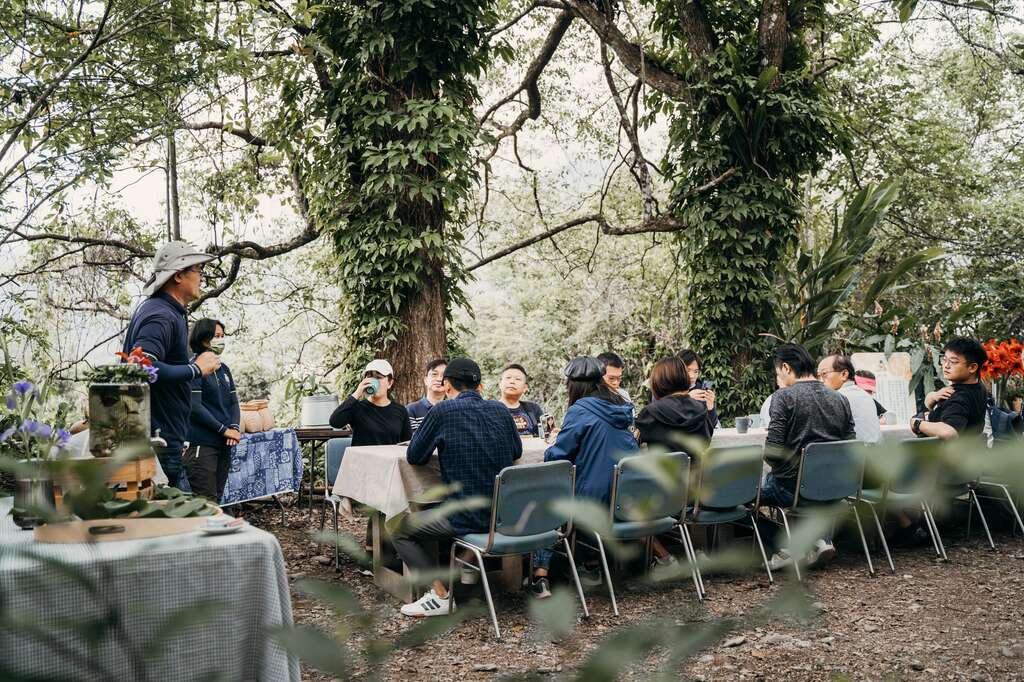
point(474, 439)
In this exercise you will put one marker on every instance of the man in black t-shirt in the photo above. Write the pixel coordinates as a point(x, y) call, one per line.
point(960, 407)
point(525, 415)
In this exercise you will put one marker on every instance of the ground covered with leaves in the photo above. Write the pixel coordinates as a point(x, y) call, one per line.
point(959, 620)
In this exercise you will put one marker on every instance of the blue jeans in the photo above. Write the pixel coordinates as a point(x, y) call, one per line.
point(542, 557)
point(773, 494)
point(174, 466)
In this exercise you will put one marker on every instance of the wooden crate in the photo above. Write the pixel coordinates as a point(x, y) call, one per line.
point(133, 479)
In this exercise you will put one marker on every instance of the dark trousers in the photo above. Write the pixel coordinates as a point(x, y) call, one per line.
point(207, 468)
point(773, 494)
point(173, 465)
point(410, 540)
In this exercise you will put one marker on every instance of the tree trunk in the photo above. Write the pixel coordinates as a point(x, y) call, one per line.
point(423, 338)
point(173, 208)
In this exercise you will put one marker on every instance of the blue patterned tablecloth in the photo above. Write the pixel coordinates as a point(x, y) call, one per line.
point(263, 464)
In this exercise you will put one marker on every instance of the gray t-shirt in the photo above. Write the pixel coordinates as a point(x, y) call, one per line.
point(804, 413)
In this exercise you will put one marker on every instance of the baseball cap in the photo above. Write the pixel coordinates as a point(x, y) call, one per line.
point(380, 366)
point(463, 369)
point(170, 258)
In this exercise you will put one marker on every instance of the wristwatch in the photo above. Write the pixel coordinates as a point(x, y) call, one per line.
point(915, 425)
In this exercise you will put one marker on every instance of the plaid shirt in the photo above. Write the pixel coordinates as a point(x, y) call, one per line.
point(475, 439)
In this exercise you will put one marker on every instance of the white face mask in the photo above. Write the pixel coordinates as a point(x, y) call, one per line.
point(218, 344)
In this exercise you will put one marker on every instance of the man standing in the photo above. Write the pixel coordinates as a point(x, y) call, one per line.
point(433, 393)
point(836, 372)
point(159, 326)
point(957, 409)
point(513, 385)
point(475, 439)
point(613, 373)
point(803, 411)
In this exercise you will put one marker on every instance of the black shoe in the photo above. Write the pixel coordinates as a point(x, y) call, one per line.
point(911, 536)
point(540, 588)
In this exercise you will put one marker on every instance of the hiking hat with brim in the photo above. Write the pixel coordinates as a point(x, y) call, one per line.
point(170, 258)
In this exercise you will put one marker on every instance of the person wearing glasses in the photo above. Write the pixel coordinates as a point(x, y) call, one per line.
point(159, 326)
point(613, 373)
point(960, 407)
point(376, 420)
point(433, 392)
point(700, 388)
point(837, 372)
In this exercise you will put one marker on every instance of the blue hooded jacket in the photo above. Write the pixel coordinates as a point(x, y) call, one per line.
point(594, 436)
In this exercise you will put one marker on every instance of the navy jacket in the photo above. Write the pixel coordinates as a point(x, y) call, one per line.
point(214, 408)
point(475, 439)
point(594, 436)
point(159, 326)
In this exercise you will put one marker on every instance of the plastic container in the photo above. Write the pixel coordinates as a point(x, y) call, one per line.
point(317, 410)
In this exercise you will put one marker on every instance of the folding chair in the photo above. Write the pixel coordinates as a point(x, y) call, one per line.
point(641, 507)
point(728, 491)
point(336, 448)
point(522, 521)
point(829, 473)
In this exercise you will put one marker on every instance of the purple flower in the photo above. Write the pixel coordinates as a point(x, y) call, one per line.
point(23, 387)
point(62, 438)
point(30, 427)
point(12, 402)
point(7, 434)
point(151, 372)
point(44, 431)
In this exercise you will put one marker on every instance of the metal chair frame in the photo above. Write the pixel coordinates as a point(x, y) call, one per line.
point(330, 499)
point(481, 553)
point(684, 533)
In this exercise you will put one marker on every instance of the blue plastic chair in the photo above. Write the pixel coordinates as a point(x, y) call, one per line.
point(829, 473)
point(336, 448)
point(642, 506)
point(522, 521)
point(728, 491)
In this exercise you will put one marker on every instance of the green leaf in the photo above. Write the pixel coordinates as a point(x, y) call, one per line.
point(317, 649)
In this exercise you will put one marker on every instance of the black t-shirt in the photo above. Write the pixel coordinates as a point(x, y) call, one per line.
point(964, 410)
point(526, 417)
point(372, 425)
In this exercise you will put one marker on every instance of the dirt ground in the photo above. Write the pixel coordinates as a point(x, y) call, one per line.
point(945, 621)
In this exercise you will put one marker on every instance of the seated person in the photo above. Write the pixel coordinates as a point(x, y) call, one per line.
point(672, 414)
point(960, 407)
point(513, 386)
point(836, 372)
point(700, 389)
point(475, 439)
point(867, 381)
point(613, 373)
point(375, 420)
point(803, 411)
point(433, 392)
point(594, 435)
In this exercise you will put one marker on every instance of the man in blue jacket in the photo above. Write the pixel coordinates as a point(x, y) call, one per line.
point(160, 327)
point(474, 439)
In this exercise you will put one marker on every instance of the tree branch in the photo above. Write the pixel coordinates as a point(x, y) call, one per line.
point(547, 234)
point(242, 133)
point(641, 65)
point(226, 283)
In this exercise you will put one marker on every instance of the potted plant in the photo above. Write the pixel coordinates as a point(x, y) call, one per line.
point(119, 406)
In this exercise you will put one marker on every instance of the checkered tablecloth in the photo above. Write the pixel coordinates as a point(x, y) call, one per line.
point(263, 464)
point(48, 591)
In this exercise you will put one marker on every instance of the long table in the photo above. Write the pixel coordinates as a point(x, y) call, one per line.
point(143, 582)
point(727, 438)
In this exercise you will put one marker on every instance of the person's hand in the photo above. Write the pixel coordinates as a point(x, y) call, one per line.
point(706, 396)
point(208, 362)
point(360, 391)
point(232, 436)
point(938, 396)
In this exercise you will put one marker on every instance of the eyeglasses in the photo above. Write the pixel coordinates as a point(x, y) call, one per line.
point(952, 362)
point(822, 375)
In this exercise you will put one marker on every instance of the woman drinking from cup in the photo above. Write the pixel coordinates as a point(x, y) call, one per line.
point(374, 419)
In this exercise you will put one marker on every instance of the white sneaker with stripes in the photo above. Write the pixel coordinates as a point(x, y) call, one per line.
point(427, 605)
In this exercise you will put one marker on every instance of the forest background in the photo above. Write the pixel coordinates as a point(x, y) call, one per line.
point(516, 181)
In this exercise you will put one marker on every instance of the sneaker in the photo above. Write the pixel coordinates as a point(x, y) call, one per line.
point(427, 605)
point(591, 577)
point(821, 554)
point(780, 559)
point(540, 588)
point(468, 576)
point(670, 560)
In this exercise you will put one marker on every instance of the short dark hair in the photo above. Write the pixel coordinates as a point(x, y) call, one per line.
point(588, 389)
point(865, 373)
point(669, 376)
point(460, 385)
point(202, 333)
point(970, 348)
point(797, 357)
point(517, 366)
point(610, 359)
point(689, 357)
point(434, 364)
point(841, 363)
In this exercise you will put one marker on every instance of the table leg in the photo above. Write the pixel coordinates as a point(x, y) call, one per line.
point(511, 578)
point(279, 505)
point(396, 584)
point(312, 478)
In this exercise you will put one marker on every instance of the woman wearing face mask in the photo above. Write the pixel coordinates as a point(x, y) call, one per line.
point(215, 416)
point(374, 418)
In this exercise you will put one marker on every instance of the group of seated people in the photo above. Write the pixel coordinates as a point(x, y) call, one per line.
point(476, 438)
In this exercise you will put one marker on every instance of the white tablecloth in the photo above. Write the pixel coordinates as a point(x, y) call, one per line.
point(145, 581)
point(729, 438)
point(380, 477)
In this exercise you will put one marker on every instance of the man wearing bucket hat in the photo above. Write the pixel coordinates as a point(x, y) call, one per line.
point(160, 327)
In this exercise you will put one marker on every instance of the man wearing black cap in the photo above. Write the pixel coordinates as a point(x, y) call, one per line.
point(474, 439)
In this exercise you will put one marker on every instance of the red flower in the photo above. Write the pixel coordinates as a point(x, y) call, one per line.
point(136, 357)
